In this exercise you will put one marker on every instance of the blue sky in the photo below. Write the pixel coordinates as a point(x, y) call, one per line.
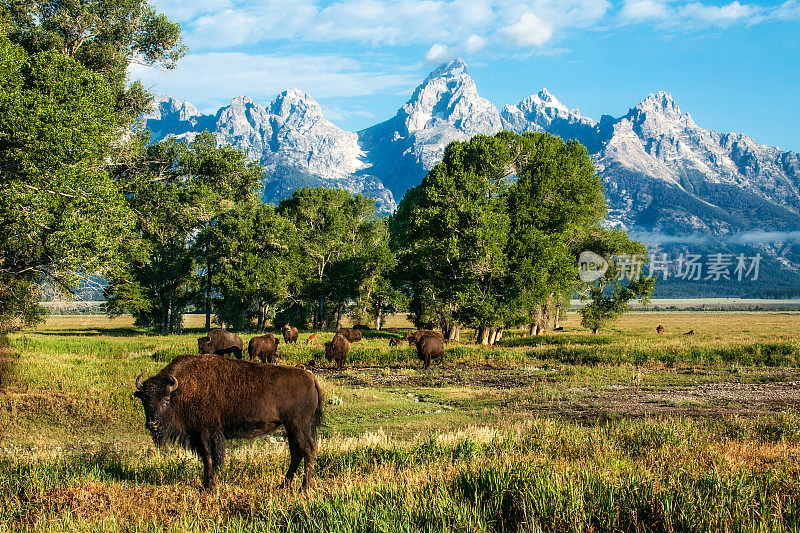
point(734, 66)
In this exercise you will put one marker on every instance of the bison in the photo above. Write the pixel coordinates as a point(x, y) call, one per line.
point(413, 338)
point(395, 342)
point(660, 329)
point(290, 334)
point(391, 330)
point(264, 347)
point(352, 335)
point(429, 346)
point(312, 339)
point(199, 402)
point(336, 350)
point(220, 342)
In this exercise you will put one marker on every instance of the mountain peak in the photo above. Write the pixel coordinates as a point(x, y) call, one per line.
point(661, 101)
point(295, 101)
point(452, 69)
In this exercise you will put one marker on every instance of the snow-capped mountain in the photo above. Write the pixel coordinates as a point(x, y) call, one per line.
point(662, 172)
point(291, 139)
point(444, 108)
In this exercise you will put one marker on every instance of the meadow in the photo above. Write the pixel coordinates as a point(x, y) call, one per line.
point(626, 430)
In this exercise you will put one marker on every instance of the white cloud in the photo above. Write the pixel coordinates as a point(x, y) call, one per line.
point(725, 15)
point(438, 53)
point(474, 43)
point(644, 9)
point(262, 76)
point(529, 30)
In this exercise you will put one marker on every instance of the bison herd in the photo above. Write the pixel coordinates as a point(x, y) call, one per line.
point(200, 401)
point(264, 348)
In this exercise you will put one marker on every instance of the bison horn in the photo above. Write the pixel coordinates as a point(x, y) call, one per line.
point(173, 383)
point(139, 382)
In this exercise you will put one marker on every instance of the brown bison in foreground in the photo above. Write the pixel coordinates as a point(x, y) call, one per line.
point(428, 347)
point(264, 347)
point(220, 342)
point(201, 401)
point(352, 335)
point(290, 334)
point(336, 350)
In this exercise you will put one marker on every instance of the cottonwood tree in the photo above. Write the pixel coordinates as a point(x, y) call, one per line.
point(451, 233)
point(257, 264)
point(610, 294)
point(342, 239)
point(65, 104)
point(175, 190)
point(555, 201)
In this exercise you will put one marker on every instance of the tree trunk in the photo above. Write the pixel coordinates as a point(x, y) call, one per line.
point(321, 311)
point(208, 297)
point(169, 309)
point(499, 336)
point(476, 336)
point(454, 335)
point(594, 331)
point(339, 316)
point(492, 336)
point(378, 319)
point(556, 320)
point(483, 338)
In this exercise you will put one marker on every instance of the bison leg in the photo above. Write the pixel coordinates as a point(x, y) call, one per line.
point(295, 457)
point(218, 445)
point(202, 444)
point(237, 352)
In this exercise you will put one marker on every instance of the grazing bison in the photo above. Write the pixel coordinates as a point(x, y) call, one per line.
point(413, 338)
point(312, 339)
point(352, 335)
point(362, 327)
point(220, 342)
point(336, 350)
point(690, 332)
point(429, 346)
point(290, 334)
point(264, 347)
point(391, 330)
point(201, 401)
point(395, 342)
point(660, 329)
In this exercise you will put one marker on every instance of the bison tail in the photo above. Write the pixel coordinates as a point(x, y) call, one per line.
point(319, 416)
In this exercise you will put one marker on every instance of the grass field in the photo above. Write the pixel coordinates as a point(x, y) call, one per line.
point(626, 430)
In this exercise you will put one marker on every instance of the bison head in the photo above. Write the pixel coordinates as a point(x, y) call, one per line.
point(156, 395)
point(204, 345)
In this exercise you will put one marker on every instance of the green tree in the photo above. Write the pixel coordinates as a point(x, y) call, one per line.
point(65, 106)
point(257, 264)
point(450, 233)
point(105, 36)
point(610, 294)
point(339, 235)
point(62, 217)
point(555, 201)
point(175, 190)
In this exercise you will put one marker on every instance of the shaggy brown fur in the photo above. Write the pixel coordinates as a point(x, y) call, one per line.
point(413, 338)
point(429, 346)
point(336, 350)
point(264, 347)
point(352, 335)
point(221, 342)
point(290, 334)
point(200, 401)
